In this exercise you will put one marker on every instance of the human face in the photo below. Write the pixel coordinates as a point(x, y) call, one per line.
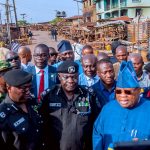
point(25, 56)
point(68, 81)
point(14, 60)
point(137, 63)
point(52, 58)
point(20, 94)
point(67, 55)
point(87, 51)
point(121, 54)
point(41, 57)
point(127, 97)
point(106, 73)
point(89, 67)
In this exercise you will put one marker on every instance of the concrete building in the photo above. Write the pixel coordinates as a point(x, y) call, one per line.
point(89, 11)
point(116, 8)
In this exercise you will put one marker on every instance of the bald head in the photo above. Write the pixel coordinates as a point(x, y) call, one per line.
point(24, 54)
point(135, 55)
point(102, 55)
point(87, 49)
point(121, 53)
point(89, 65)
point(23, 49)
point(138, 63)
point(89, 57)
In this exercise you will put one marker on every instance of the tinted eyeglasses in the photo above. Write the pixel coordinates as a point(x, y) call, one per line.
point(127, 92)
point(12, 58)
point(66, 78)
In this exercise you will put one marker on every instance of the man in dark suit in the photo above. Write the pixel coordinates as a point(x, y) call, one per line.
point(44, 76)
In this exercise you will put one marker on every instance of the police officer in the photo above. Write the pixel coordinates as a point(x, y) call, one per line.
point(19, 121)
point(67, 111)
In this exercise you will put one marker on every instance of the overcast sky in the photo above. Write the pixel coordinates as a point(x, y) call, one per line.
point(42, 10)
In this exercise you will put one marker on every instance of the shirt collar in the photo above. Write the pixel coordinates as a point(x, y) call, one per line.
point(142, 76)
point(38, 70)
point(88, 78)
point(8, 100)
point(102, 86)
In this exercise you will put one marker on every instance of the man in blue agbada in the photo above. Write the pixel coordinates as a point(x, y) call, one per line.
point(125, 119)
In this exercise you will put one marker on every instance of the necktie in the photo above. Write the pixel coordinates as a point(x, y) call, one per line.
point(41, 86)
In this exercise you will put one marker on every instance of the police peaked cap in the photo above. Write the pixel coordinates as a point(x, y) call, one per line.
point(63, 46)
point(68, 66)
point(17, 77)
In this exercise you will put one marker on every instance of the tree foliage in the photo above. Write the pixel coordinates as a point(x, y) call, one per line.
point(56, 20)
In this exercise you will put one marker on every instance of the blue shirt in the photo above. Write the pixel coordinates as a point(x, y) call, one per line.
point(118, 124)
point(103, 93)
point(87, 81)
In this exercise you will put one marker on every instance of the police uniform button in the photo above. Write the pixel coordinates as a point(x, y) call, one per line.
point(23, 129)
point(8, 108)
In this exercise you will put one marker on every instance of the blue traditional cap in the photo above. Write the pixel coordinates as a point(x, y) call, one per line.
point(127, 77)
point(63, 46)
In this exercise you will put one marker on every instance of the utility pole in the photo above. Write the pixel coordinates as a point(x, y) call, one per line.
point(78, 9)
point(23, 16)
point(7, 18)
point(16, 20)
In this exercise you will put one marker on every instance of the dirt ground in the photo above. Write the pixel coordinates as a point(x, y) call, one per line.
point(42, 37)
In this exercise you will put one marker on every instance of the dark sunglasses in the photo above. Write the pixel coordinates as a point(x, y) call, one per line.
point(127, 92)
point(12, 58)
point(53, 54)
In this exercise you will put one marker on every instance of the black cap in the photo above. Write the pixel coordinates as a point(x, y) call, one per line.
point(17, 77)
point(68, 66)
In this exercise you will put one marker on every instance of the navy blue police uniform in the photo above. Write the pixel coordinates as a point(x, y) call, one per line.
point(68, 123)
point(19, 130)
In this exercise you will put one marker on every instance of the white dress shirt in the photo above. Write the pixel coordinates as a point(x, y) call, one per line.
point(38, 76)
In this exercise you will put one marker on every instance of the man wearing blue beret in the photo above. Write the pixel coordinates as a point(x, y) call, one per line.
point(126, 118)
point(66, 53)
point(68, 112)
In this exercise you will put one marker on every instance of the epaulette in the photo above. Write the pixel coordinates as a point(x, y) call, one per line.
point(44, 93)
point(4, 111)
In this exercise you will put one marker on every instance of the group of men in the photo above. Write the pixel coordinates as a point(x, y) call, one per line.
point(60, 103)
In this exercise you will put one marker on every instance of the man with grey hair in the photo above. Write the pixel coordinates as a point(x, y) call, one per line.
point(88, 77)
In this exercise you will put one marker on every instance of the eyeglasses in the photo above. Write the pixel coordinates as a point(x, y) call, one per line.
point(25, 87)
point(127, 92)
point(12, 58)
point(53, 54)
point(66, 78)
point(40, 55)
